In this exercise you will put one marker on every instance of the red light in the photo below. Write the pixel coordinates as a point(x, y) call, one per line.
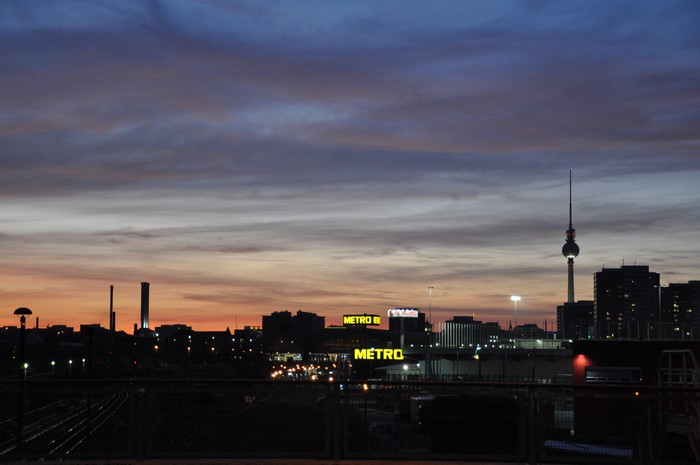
point(581, 361)
point(580, 364)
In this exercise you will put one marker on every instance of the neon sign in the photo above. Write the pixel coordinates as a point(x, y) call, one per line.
point(378, 354)
point(403, 313)
point(369, 320)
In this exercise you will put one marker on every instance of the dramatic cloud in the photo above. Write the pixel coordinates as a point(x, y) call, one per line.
point(248, 157)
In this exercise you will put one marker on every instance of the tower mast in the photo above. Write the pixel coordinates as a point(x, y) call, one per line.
point(570, 249)
point(571, 228)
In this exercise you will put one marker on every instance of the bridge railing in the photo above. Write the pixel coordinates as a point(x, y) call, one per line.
point(135, 419)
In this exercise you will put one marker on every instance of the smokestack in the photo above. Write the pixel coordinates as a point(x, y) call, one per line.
point(144, 305)
point(111, 308)
point(37, 322)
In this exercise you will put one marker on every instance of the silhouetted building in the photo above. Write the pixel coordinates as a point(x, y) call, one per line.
point(245, 340)
point(530, 331)
point(308, 323)
point(410, 324)
point(680, 310)
point(214, 346)
point(626, 302)
point(286, 333)
point(463, 331)
point(90, 327)
point(303, 323)
point(59, 331)
point(408, 330)
point(575, 319)
point(165, 331)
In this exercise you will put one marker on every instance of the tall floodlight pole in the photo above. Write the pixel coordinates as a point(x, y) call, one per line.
point(515, 299)
point(428, 360)
point(430, 307)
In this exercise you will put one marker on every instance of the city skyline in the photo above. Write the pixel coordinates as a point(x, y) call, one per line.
point(340, 158)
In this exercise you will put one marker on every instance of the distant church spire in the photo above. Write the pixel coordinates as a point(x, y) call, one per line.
point(570, 249)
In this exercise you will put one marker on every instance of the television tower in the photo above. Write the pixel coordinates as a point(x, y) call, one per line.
point(570, 249)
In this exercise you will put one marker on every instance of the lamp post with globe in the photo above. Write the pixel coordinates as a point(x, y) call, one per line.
point(22, 313)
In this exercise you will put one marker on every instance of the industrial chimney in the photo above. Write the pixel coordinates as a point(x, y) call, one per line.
point(144, 305)
point(111, 308)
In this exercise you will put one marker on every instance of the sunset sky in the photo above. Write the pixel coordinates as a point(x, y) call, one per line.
point(340, 157)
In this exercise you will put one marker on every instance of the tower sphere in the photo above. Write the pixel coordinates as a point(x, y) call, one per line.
point(570, 249)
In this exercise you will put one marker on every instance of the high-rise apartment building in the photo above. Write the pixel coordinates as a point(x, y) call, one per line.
point(680, 310)
point(626, 302)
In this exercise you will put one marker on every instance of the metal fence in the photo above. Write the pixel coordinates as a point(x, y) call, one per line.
point(204, 418)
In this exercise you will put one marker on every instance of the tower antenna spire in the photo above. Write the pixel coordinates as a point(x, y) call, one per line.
point(570, 215)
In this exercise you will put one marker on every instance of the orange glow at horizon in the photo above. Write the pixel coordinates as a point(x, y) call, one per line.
point(202, 307)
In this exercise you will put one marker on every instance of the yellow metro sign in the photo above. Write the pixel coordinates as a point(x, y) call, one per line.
point(378, 354)
point(368, 320)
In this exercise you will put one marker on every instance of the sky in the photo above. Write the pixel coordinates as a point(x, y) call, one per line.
point(247, 157)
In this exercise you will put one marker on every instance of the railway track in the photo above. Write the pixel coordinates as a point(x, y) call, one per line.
point(56, 430)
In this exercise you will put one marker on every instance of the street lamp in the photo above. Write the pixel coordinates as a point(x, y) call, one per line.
point(478, 361)
point(22, 313)
point(515, 299)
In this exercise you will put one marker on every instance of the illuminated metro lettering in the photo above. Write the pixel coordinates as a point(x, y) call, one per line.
point(378, 354)
point(372, 320)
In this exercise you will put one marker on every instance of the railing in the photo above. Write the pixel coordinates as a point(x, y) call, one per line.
point(467, 421)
